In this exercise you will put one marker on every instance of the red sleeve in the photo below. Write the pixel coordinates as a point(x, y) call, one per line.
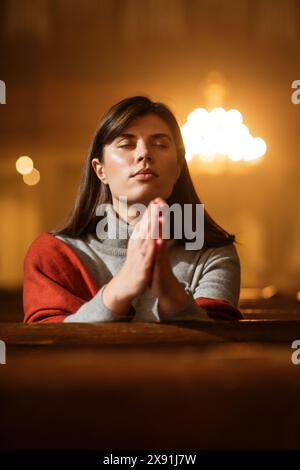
point(56, 283)
point(219, 309)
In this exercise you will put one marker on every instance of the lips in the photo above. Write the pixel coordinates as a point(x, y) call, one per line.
point(145, 172)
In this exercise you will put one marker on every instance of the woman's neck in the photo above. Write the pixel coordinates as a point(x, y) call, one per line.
point(127, 212)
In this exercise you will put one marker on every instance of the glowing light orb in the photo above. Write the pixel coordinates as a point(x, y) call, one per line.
point(33, 178)
point(211, 135)
point(24, 165)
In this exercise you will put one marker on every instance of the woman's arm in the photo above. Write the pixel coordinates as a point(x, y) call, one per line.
point(216, 295)
point(216, 292)
point(98, 311)
point(220, 277)
point(58, 288)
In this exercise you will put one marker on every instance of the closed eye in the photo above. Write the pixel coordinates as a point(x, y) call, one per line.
point(161, 145)
point(126, 145)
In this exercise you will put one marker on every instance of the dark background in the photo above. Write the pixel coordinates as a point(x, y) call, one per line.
point(65, 62)
point(213, 385)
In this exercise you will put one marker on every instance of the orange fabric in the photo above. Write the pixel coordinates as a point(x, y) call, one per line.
point(219, 309)
point(56, 283)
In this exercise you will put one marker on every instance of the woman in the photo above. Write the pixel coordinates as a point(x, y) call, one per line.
point(84, 273)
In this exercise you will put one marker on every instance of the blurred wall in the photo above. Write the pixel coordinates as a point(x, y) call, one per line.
point(65, 62)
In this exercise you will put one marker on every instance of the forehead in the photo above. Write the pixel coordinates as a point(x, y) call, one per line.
point(149, 124)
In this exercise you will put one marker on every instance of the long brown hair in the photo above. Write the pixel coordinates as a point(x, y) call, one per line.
point(92, 192)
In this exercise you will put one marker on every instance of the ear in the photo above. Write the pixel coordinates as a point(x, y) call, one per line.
point(99, 170)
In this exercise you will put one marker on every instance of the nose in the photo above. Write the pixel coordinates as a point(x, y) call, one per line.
point(142, 153)
point(144, 156)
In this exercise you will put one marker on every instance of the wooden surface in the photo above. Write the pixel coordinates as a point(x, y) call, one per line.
point(163, 334)
point(150, 386)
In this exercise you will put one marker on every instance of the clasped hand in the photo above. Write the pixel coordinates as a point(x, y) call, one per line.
point(147, 264)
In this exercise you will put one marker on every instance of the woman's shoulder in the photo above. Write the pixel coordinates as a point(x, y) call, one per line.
point(224, 250)
point(50, 258)
point(228, 250)
point(43, 241)
point(49, 247)
point(222, 256)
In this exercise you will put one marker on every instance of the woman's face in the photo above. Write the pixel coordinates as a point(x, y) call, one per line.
point(147, 143)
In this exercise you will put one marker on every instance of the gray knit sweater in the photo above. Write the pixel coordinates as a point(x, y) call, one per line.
point(213, 273)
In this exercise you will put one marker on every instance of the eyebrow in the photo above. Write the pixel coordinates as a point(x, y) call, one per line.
point(157, 136)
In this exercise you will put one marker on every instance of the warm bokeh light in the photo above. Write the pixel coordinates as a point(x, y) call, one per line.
point(33, 178)
point(253, 293)
point(24, 165)
point(213, 135)
point(269, 291)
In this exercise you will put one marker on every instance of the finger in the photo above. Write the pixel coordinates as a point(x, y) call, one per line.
point(159, 200)
point(150, 255)
point(147, 247)
point(154, 222)
point(141, 229)
point(152, 262)
point(160, 242)
point(157, 219)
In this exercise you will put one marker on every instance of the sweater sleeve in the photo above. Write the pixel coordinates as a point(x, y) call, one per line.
point(58, 288)
point(95, 311)
point(216, 294)
point(218, 289)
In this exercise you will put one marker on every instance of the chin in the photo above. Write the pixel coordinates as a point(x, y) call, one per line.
point(142, 197)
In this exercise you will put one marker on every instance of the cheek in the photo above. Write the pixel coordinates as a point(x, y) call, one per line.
point(117, 168)
point(170, 169)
